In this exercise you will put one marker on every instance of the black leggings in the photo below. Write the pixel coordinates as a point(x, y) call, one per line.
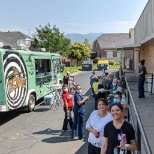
point(66, 121)
point(93, 150)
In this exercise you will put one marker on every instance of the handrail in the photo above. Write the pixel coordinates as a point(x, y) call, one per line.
point(140, 133)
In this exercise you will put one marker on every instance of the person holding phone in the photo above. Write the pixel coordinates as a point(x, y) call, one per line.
point(119, 135)
point(79, 111)
point(95, 125)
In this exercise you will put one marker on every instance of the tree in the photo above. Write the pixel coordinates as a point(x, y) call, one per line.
point(51, 39)
point(86, 41)
point(79, 51)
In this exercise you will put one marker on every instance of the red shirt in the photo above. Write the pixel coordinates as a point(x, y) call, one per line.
point(68, 97)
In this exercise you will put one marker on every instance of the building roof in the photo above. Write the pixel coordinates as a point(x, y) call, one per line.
point(112, 40)
point(11, 38)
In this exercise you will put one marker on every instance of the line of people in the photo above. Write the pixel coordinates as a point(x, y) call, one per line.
point(109, 133)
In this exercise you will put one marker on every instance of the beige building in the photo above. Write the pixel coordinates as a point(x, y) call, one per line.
point(142, 44)
point(144, 37)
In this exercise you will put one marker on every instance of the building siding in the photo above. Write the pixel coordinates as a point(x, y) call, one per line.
point(147, 53)
point(144, 28)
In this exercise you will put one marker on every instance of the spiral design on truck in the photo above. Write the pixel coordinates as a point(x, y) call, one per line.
point(15, 73)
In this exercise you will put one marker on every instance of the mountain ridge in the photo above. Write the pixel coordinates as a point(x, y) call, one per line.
point(77, 37)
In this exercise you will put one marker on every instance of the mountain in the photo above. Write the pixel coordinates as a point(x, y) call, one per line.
point(75, 37)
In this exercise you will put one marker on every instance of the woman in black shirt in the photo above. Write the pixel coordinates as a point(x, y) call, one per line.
point(114, 131)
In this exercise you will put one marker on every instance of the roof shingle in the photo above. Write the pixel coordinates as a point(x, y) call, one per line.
point(11, 38)
point(112, 40)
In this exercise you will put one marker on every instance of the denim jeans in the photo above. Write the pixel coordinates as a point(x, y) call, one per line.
point(78, 123)
point(141, 87)
point(96, 98)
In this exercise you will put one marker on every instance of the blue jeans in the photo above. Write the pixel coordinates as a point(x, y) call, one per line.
point(96, 98)
point(78, 122)
point(141, 87)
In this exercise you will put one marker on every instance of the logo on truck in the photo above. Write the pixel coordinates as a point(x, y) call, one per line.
point(15, 80)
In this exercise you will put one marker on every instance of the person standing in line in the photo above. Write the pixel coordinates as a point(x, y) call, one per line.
point(141, 78)
point(95, 88)
point(95, 125)
point(105, 78)
point(119, 135)
point(92, 80)
point(108, 85)
point(68, 104)
point(101, 86)
point(66, 78)
point(79, 111)
point(112, 91)
point(102, 80)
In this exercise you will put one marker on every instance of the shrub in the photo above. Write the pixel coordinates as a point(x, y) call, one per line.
point(111, 62)
point(96, 60)
point(117, 62)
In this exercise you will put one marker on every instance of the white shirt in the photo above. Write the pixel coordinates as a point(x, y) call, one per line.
point(97, 123)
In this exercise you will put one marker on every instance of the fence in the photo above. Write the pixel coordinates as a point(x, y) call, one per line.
point(135, 119)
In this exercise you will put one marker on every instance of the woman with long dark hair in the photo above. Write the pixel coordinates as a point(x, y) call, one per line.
point(119, 135)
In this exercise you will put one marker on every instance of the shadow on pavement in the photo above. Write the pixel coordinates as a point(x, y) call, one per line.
point(90, 106)
point(65, 136)
point(7, 116)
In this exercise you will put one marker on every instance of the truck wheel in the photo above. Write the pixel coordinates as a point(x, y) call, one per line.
point(31, 103)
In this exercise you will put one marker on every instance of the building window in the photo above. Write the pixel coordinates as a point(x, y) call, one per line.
point(118, 55)
point(109, 54)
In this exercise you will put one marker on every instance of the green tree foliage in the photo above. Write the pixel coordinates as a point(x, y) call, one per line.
point(51, 39)
point(79, 51)
point(86, 41)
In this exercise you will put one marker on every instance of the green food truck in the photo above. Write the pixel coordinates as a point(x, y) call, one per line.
point(26, 76)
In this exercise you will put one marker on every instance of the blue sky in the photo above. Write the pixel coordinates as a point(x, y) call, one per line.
point(71, 16)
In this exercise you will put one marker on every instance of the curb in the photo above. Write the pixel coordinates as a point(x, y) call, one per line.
point(76, 73)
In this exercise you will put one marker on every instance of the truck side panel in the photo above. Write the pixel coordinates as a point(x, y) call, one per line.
point(15, 76)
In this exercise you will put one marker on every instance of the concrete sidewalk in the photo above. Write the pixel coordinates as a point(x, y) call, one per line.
point(145, 107)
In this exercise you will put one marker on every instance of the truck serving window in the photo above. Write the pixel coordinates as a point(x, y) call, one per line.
point(42, 66)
